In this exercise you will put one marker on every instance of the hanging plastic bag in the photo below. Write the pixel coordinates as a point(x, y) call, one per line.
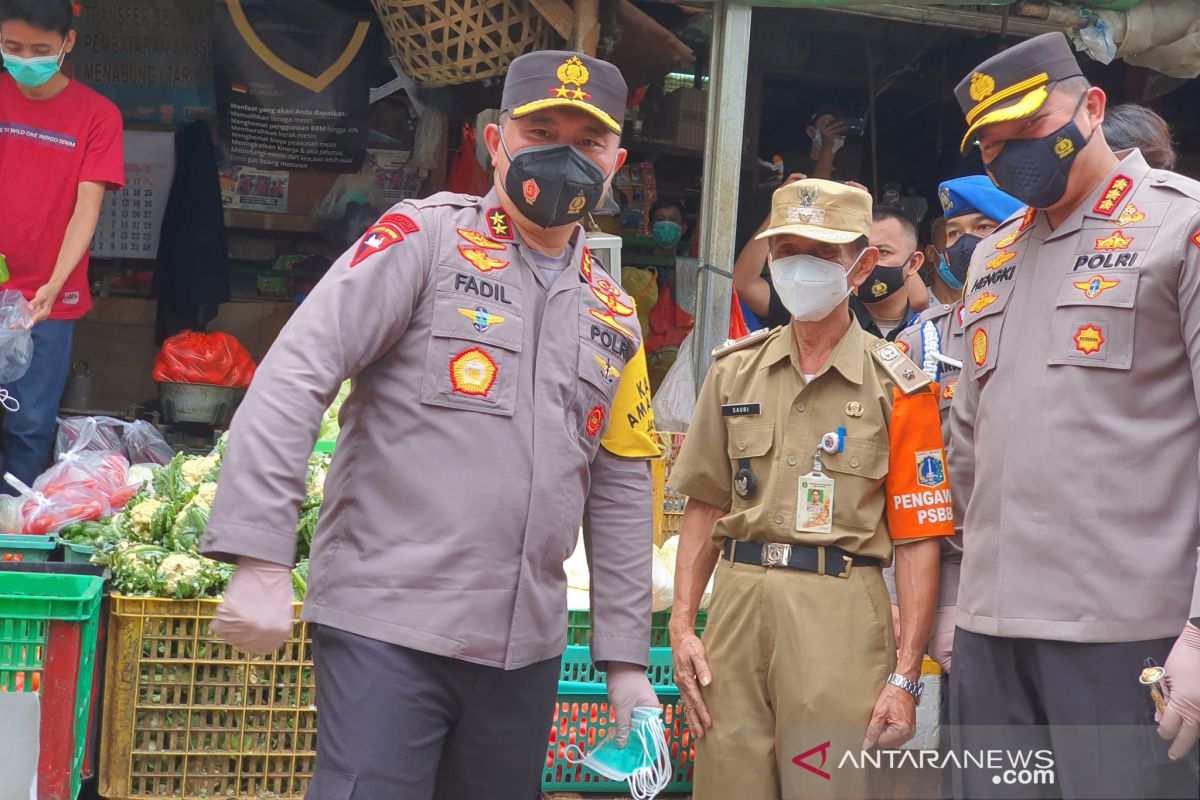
point(350, 206)
point(465, 175)
point(42, 514)
point(215, 359)
point(676, 396)
point(662, 578)
point(145, 445)
point(16, 343)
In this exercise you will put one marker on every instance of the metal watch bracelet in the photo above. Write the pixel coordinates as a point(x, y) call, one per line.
point(915, 688)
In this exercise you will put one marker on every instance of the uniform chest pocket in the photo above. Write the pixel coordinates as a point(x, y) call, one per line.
point(598, 374)
point(1093, 322)
point(749, 444)
point(857, 474)
point(473, 356)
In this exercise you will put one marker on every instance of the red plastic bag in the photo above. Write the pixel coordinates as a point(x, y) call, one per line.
point(216, 359)
point(466, 176)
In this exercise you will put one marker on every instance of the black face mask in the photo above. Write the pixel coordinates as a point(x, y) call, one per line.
point(552, 184)
point(958, 257)
point(1036, 171)
point(882, 283)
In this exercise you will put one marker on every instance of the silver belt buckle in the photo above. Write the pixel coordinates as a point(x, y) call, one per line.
point(776, 555)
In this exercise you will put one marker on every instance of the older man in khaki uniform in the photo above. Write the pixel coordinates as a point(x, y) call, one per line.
point(499, 397)
point(1075, 435)
point(813, 450)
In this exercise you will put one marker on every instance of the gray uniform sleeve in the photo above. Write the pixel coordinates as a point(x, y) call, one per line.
point(1189, 319)
point(618, 538)
point(352, 317)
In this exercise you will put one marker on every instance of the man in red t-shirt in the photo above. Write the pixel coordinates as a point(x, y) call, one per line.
point(60, 149)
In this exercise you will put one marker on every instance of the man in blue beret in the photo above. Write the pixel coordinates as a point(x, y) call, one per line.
point(973, 208)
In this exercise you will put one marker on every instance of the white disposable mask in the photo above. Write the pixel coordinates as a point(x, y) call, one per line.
point(838, 143)
point(810, 287)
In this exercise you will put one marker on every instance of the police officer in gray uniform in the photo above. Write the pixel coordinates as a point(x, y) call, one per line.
point(973, 207)
point(499, 397)
point(1074, 442)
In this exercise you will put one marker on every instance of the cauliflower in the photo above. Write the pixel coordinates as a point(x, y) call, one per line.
point(205, 494)
point(197, 470)
point(141, 519)
point(182, 575)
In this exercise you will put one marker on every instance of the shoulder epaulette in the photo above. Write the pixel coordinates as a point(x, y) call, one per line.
point(733, 345)
point(904, 372)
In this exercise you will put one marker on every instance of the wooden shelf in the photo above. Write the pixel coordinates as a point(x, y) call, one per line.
point(262, 221)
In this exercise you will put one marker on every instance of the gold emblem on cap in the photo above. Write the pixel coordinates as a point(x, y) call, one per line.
point(1063, 147)
point(944, 196)
point(807, 195)
point(573, 72)
point(982, 86)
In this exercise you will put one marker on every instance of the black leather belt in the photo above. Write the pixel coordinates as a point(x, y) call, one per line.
point(810, 558)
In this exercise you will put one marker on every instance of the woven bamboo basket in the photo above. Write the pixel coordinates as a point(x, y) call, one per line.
point(447, 42)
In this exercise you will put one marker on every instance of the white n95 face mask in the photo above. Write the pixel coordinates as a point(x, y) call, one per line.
point(810, 287)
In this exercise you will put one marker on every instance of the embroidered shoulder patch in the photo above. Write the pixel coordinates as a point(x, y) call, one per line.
point(733, 345)
point(499, 223)
point(1113, 195)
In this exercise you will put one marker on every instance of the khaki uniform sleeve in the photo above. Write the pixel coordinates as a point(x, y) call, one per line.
point(355, 314)
point(703, 469)
point(918, 488)
point(619, 542)
point(630, 431)
point(1189, 317)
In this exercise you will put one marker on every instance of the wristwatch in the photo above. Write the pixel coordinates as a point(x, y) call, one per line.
point(915, 688)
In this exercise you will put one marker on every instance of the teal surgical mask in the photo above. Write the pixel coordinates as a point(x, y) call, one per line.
point(666, 233)
point(645, 761)
point(34, 71)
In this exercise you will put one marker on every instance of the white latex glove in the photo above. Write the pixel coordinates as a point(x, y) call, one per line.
point(256, 615)
point(1180, 720)
point(941, 641)
point(628, 688)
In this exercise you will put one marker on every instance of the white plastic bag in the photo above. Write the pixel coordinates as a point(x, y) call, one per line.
point(16, 337)
point(145, 445)
point(10, 514)
point(676, 397)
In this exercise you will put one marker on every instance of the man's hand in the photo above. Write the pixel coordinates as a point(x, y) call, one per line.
point(1180, 720)
point(830, 128)
point(941, 641)
point(256, 616)
point(628, 688)
point(691, 673)
point(43, 302)
point(894, 720)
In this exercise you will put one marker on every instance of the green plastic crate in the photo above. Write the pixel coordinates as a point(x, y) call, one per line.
point(77, 553)
point(18, 547)
point(29, 603)
point(579, 627)
point(582, 718)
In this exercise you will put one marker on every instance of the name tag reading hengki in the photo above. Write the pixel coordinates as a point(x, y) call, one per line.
point(741, 410)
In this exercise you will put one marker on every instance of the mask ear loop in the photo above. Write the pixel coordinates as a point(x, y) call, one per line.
point(646, 782)
point(10, 403)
